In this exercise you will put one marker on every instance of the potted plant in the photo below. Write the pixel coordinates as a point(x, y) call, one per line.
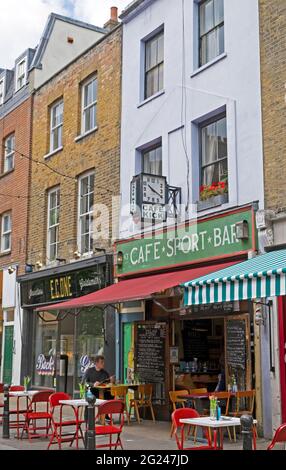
point(213, 195)
point(27, 380)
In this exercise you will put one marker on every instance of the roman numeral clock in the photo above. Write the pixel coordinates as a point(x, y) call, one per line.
point(149, 197)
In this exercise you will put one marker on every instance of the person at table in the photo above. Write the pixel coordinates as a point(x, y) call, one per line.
point(221, 385)
point(96, 375)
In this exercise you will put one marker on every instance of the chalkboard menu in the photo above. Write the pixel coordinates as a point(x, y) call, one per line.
point(150, 353)
point(236, 344)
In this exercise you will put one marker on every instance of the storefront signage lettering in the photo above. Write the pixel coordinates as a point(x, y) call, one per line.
point(35, 293)
point(207, 239)
point(95, 281)
point(61, 288)
point(45, 365)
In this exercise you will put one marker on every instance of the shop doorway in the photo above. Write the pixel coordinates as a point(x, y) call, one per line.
point(282, 349)
point(8, 354)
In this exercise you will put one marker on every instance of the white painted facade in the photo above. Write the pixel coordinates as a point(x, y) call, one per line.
point(231, 83)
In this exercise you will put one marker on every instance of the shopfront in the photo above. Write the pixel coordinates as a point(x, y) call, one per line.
point(59, 345)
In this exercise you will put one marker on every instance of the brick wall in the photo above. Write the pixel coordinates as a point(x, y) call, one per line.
point(99, 151)
point(15, 183)
point(273, 70)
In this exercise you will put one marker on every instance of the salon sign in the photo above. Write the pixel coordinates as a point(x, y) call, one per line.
point(203, 240)
point(45, 365)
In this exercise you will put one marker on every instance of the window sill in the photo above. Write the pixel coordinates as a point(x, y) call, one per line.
point(212, 202)
point(86, 134)
point(151, 98)
point(6, 173)
point(5, 253)
point(209, 64)
point(54, 152)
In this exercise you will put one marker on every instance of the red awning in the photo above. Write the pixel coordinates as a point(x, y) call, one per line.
point(136, 289)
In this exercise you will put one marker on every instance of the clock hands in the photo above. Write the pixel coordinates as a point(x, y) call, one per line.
point(154, 191)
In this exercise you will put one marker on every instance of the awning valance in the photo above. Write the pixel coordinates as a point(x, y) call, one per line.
point(259, 277)
point(134, 289)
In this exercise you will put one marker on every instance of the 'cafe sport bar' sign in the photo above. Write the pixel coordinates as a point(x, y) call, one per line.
point(208, 239)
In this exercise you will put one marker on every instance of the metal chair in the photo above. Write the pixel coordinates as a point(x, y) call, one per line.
point(33, 415)
point(112, 408)
point(179, 429)
point(279, 437)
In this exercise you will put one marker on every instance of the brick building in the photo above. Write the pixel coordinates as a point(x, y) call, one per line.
point(76, 161)
point(15, 138)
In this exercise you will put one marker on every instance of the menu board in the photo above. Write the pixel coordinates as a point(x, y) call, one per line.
point(150, 354)
point(236, 344)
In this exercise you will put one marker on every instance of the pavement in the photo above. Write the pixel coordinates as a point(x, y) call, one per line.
point(144, 436)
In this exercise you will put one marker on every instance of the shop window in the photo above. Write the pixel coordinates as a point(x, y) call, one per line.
point(211, 25)
point(45, 346)
point(85, 221)
point(53, 223)
point(154, 65)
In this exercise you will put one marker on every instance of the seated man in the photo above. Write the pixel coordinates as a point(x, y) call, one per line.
point(96, 375)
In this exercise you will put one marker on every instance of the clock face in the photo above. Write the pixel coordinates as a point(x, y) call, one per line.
point(154, 189)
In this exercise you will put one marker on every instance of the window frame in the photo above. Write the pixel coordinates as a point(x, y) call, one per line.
point(7, 233)
point(156, 35)
point(23, 76)
point(8, 155)
point(56, 226)
point(150, 149)
point(85, 108)
point(82, 215)
point(2, 97)
point(206, 34)
point(55, 105)
point(213, 120)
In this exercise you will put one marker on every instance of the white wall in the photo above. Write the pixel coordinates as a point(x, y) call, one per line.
point(233, 83)
point(59, 52)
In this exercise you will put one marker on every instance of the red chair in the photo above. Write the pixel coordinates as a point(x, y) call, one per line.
point(279, 437)
point(111, 408)
point(58, 423)
point(179, 429)
point(18, 424)
point(32, 416)
point(1, 402)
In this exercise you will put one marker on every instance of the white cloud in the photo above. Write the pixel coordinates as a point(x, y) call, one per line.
point(22, 21)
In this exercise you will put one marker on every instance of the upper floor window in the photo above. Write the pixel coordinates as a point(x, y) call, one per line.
point(89, 105)
point(152, 160)
point(56, 131)
point(9, 153)
point(214, 161)
point(211, 14)
point(53, 223)
point(154, 65)
point(6, 232)
point(85, 222)
point(21, 73)
point(2, 90)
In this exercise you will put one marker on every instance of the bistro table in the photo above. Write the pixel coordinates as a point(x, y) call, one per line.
point(28, 395)
point(103, 388)
point(217, 426)
point(77, 405)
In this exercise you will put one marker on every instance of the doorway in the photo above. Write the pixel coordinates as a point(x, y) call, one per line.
point(8, 354)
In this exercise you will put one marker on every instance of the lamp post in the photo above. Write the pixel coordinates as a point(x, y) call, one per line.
point(90, 433)
point(246, 426)
point(6, 413)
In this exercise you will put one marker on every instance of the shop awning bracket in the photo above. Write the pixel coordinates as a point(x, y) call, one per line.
point(57, 318)
point(170, 310)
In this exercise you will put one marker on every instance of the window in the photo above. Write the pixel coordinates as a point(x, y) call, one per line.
point(211, 13)
point(214, 166)
point(86, 201)
point(6, 231)
point(21, 71)
point(9, 153)
point(2, 90)
point(154, 65)
point(56, 134)
point(53, 223)
point(152, 160)
point(89, 105)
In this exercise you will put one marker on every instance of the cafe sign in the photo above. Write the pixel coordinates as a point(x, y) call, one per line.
point(45, 365)
point(208, 239)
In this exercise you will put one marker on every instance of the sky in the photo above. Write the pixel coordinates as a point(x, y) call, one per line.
point(22, 21)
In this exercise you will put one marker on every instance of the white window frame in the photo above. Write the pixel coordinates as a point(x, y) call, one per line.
point(6, 233)
point(2, 95)
point(57, 126)
point(85, 108)
point(81, 216)
point(9, 154)
point(54, 226)
point(23, 75)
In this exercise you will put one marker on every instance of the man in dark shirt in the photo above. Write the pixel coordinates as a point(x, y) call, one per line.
point(97, 375)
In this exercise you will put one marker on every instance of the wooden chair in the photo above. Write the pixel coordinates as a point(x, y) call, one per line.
point(143, 400)
point(177, 402)
point(121, 393)
point(244, 405)
point(226, 397)
point(199, 391)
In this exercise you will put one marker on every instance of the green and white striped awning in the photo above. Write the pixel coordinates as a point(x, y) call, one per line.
point(259, 277)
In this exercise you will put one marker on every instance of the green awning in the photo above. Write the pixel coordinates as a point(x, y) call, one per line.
point(259, 277)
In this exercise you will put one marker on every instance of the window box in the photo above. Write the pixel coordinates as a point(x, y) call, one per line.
point(213, 201)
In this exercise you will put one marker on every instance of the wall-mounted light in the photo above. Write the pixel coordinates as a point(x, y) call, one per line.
point(119, 259)
point(242, 230)
point(39, 264)
point(258, 314)
point(11, 270)
point(77, 254)
point(29, 268)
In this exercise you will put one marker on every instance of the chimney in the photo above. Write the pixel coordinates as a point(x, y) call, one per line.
point(113, 21)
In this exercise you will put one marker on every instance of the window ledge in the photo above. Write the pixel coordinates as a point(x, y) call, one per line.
point(6, 173)
point(5, 253)
point(151, 98)
point(209, 64)
point(86, 134)
point(54, 152)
